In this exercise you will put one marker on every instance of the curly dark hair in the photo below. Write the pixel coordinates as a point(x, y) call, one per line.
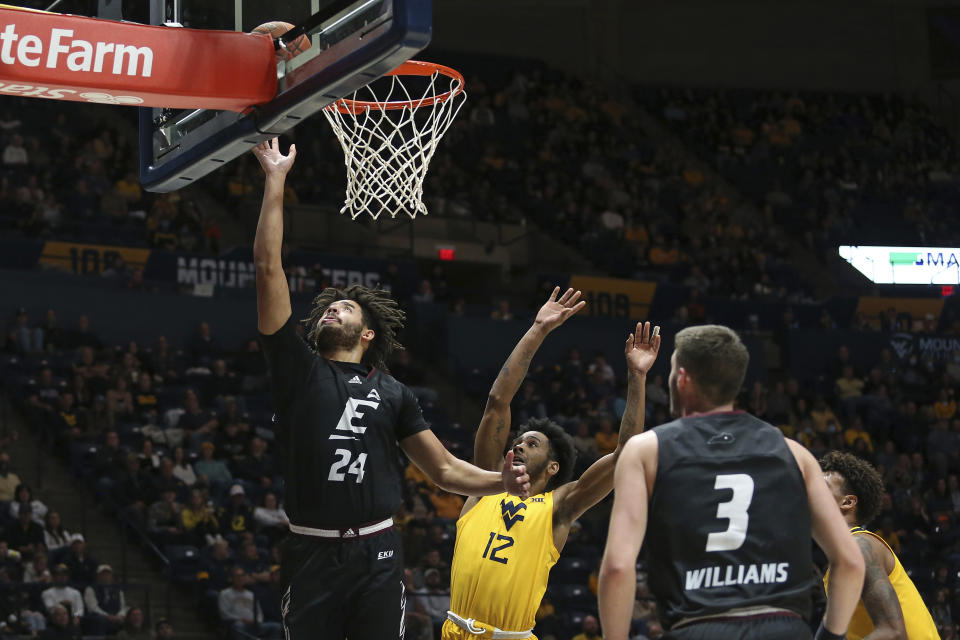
point(380, 313)
point(562, 449)
point(859, 479)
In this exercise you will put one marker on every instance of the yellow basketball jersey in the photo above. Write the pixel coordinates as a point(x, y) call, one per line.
point(916, 618)
point(502, 558)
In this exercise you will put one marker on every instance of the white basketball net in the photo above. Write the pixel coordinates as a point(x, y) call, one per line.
point(387, 151)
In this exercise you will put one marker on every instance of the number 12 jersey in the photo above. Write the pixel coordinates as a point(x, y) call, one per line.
point(729, 524)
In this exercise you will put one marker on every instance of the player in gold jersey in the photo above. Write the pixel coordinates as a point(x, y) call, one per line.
point(505, 546)
point(890, 607)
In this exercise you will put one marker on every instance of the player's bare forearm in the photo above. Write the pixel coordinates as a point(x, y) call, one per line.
point(879, 597)
point(616, 588)
point(273, 293)
point(634, 414)
point(494, 429)
point(268, 242)
point(640, 352)
point(459, 476)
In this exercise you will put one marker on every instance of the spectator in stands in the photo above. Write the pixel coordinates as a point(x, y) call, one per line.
point(163, 630)
point(214, 472)
point(270, 517)
point(14, 154)
point(54, 535)
point(606, 438)
point(166, 478)
point(10, 560)
point(45, 394)
point(105, 604)
point(9, 480)
point(258, 467)
point(233, 436)
point(502, 311)
point(218, 563)
point(83, 336)
point(199, 520)
point(203, 347)
point(220, 383)
point(435, 597)
point(37, 570)
point(239, 610)
point(24, 535)
point(164, 363)
point(133, 627)
point(182, 468)
point(257, 570)
point(236, 517)
point(110, 458)
point(418, 624)
point(446, 504)
point(63, 594)
point(82, 566)
point(134, 488)
point(590, 630)
point(198, 424)
point(16, 614)
point(120, 400)
point(165, 518)
point(144, 397)
point(61, 627)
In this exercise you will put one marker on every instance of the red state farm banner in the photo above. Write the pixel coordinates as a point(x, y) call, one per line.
point(63, 57)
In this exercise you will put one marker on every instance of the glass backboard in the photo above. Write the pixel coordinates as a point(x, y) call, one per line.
point(352, 43)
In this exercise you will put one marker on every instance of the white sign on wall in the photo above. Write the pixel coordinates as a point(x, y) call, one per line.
point(905, 265)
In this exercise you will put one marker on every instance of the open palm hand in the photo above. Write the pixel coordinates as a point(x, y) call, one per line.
point(642, 348)
point(555, 312)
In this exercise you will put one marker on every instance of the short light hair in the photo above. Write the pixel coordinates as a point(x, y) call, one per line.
point(715, 358)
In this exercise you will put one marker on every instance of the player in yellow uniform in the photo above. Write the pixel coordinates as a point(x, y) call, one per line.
point(505, 546)
point(890, 606)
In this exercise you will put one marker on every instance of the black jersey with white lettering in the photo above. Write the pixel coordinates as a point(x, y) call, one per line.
point(729, 522)
point(339, 424)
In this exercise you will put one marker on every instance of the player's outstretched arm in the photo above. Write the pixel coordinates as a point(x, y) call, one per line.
point(833, 536)
point(617, 583)
point(879, 597)
point(574, 498)
point(459, 476)
point(273, 293)
point(494, 429)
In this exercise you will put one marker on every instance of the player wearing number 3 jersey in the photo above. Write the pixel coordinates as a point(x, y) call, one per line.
point(339, 418)
point(506, 547)
point(728, 506)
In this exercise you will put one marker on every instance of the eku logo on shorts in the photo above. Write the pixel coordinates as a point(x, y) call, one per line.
point(383, 555)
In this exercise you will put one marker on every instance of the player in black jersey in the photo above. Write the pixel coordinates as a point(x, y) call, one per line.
point(731, 505)
point(340, 417)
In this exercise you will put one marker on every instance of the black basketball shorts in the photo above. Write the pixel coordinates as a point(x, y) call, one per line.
point(337, 589)
point(763, 627)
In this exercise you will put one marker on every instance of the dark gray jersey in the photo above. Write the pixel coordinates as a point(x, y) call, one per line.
point(729, 522)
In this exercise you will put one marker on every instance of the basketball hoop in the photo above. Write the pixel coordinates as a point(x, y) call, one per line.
point(389, 131)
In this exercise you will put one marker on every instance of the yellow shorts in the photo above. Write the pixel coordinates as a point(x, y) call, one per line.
point(451, 631)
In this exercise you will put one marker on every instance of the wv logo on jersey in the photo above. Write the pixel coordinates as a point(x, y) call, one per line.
point(511, 513)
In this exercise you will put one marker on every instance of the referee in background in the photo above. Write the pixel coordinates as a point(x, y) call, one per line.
point(340, 418)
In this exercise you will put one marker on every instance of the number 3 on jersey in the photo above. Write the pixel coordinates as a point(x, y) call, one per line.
point(734, 510)
point(356, 467)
